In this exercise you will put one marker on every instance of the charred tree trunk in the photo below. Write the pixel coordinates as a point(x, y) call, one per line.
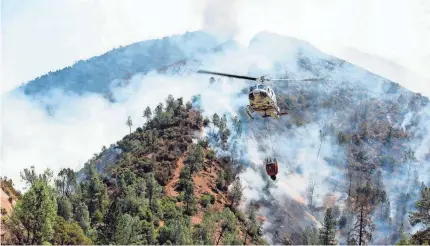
point(361, 226)
point(220, 235)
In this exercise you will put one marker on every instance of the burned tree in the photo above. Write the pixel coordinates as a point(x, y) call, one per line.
point(363, 227)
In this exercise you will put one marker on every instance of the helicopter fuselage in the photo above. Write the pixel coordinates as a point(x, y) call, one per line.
point(262, 99)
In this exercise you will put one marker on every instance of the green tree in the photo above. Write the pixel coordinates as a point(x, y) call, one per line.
point(82, 216)
point(94, 194)
point(227, 222)
point(422, 206)
point(147, 113)
point(236, 192)
point(66, 182)
point(158, 110)
point(170, 103)
point(129, 123)
point(203, 233)
point(238, 126)
point(252, 227)
point(69, 233)
point(152, 189)
point(409, 156)
point(175, 232)
point(65, 208)
point(216, 120)
point(189, 198)
point(403, 238)
point(311, 236)
point(131, 230)
point(30, 176)
point(34, 215)
point(328, 232)
point(225, 134)
point(195, 158)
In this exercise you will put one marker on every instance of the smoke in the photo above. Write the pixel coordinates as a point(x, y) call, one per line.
point(220, 18)
point(78, 127)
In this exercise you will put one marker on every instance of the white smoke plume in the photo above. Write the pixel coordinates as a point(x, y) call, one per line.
point(220, 18)
point(81, 125)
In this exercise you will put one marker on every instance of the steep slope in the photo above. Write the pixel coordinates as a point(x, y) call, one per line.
point(395, 72)
point(361, 123)
point(355, 141)
point(163, 187)
point(9, 197)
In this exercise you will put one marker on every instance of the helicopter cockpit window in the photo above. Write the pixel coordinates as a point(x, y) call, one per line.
point(261, 87)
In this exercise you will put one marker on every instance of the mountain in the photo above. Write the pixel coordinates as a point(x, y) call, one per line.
point(355, 143)
point(115, 67)
point(162, 189)
point(388, 69)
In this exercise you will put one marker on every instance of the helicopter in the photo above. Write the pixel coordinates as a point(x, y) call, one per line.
point(262, 98)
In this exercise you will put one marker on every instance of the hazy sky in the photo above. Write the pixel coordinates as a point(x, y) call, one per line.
point(39, 36)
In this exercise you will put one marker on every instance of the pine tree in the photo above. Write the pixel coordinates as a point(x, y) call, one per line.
point(227, 223)
point(195, 159)
point(363, 228)
point(311, 236)
point(129, 123)
point(170, 103)
point(310, 192)
point(236, 192)
point(321, 136)
point(216, 120)
point(203, 233)
point(82, 216)
point(147, 113)
point(65, 207)
point(33, 218)
point(66, 182)
point(189, 196)
point(328, 232)
point(94, 193)
point(252, 226)
point(422, 206)
point(409, 156)
point(158, 110)
point(152, 189)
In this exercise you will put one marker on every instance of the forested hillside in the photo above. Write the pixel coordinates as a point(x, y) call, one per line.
point(166, 188)
point(353, 152)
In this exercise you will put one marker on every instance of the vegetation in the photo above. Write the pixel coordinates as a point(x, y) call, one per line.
point(328, 231)
point(129, 202)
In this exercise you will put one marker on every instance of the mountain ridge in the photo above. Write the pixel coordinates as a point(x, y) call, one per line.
point(365, 132)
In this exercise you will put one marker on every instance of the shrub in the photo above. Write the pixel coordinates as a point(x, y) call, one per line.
point(204, 143)
point(207, 199)
point(211, 155)
point(206, 121)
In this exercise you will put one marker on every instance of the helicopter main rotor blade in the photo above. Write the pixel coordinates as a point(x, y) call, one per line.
point(295, 79)
point(227, 75)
